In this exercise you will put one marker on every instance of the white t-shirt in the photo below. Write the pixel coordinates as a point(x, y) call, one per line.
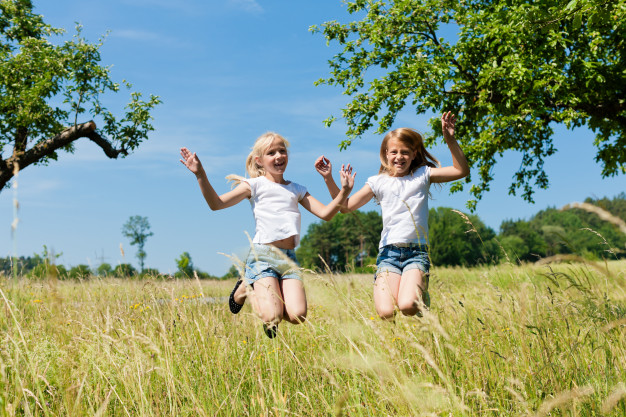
point(275, 209)
point(404, 203)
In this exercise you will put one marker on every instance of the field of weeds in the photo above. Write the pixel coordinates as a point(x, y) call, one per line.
point(499, 340)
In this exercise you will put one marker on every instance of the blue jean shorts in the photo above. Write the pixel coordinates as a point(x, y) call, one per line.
point(397, 259)
point(270, 261)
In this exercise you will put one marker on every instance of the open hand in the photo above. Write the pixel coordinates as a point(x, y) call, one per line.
point(191, 160)
point(448, 121)
point(324, 167)
point(347, 177)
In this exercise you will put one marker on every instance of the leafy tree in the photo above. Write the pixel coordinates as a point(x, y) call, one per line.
point(79, 272)
point(534, 246)
point(553, 231)
point(555, 237)
point(584, 232)
point(137, 229)
point(22, 264)
point(205, 275)
point(615, 206)
point(515, 247)
point(187, 270)
point(45, 88)
point(512, 70)
point(104, 270)
point(45, 270)
point(459, 239)
point(233, 272)
point(124, 271)
point(150, 272)
point(346, 239)
point(42, 265)
point(185, 264)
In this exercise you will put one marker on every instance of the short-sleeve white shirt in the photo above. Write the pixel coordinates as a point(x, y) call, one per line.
point(404, 204)
point(275, 208)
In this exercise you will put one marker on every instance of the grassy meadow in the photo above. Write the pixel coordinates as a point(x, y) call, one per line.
point(500, 340)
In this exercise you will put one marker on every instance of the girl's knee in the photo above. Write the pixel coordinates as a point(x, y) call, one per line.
point(386, 312)
point(410, 311)
point(408, 307)
point(297, 316)
point(297, 319)
point(271, 317)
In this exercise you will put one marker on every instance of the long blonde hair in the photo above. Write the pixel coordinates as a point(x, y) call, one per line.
point(260, 146)
point(414, 141)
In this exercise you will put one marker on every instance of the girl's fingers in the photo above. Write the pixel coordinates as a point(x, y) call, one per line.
point(322, 163)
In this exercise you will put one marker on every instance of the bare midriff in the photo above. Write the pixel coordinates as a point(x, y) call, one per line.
point(287, 243)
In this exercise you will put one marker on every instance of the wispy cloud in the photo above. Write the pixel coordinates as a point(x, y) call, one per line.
point(249, 6)
point(42, 186)
point(185, 6)
point(145, 36)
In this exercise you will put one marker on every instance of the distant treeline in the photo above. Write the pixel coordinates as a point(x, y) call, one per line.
point(350, 241)
point(44, 265)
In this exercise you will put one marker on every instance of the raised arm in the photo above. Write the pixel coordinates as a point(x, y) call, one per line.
point(325, 169)
point(327, 212)
point(460, 167)
point(215, 201)
point(365, 194)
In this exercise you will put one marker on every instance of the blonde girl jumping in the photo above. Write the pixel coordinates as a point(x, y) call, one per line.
point(271, 267)
point(402, 189)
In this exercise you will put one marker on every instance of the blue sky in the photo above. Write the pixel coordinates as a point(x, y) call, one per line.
point(227, 71)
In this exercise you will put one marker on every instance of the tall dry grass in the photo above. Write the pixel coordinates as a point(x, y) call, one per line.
point(499, 340)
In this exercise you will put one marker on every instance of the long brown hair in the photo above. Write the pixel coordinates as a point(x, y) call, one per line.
point(414, 141)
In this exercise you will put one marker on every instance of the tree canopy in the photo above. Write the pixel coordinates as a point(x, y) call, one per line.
point(456, 238)
point(510, 69)
point(345, 240)
point(47, 90)
point(576, 231)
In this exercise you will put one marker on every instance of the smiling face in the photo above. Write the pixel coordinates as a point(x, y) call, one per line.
point(399, 157)
point(274, 159)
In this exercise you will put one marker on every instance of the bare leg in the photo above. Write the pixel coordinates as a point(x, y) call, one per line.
point(295, 300)
point(411, 293)
point(240, 294)
point(386, 294)
point(266, 300)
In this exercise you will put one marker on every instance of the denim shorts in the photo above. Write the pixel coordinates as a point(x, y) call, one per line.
point(397, 259)
point(270, 261)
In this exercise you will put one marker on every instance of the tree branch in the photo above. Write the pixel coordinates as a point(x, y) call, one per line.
point(106, 146)
point(23, 159)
